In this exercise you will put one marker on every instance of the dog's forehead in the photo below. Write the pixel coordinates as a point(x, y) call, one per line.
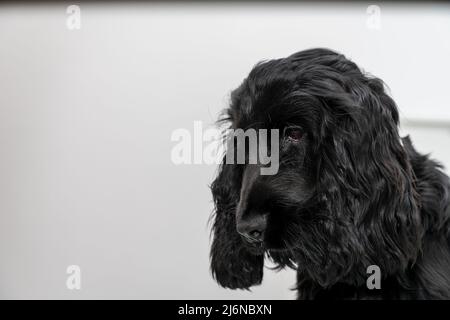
point(284, 91)
point(257, 104)
point(268, 107)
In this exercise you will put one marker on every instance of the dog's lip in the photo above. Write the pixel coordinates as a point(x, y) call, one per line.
point(251, 241)
point(256, 246)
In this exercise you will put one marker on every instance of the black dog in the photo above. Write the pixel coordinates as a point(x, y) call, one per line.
point(349, 192)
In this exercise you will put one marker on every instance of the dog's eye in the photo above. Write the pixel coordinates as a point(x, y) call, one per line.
point(293, 133)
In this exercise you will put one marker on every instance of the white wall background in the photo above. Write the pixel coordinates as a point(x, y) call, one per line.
point(86, 118)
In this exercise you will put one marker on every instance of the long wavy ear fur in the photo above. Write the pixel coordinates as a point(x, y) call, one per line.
point(367, 175)
point(232, 265)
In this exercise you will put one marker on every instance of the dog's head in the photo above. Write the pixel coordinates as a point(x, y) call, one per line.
point(343, 197)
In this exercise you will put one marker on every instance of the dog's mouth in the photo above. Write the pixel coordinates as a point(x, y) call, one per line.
point(260, 247)
point(254, 247)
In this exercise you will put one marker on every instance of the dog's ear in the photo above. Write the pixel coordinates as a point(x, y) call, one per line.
point(368, 179)
point(232, 265)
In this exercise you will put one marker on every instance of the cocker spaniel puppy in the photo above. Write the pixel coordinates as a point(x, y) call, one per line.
point(349, 192)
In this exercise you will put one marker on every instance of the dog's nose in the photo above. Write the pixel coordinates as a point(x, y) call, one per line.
point(253, 229)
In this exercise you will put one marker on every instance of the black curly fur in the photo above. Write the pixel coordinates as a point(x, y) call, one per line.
point(350, 194)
